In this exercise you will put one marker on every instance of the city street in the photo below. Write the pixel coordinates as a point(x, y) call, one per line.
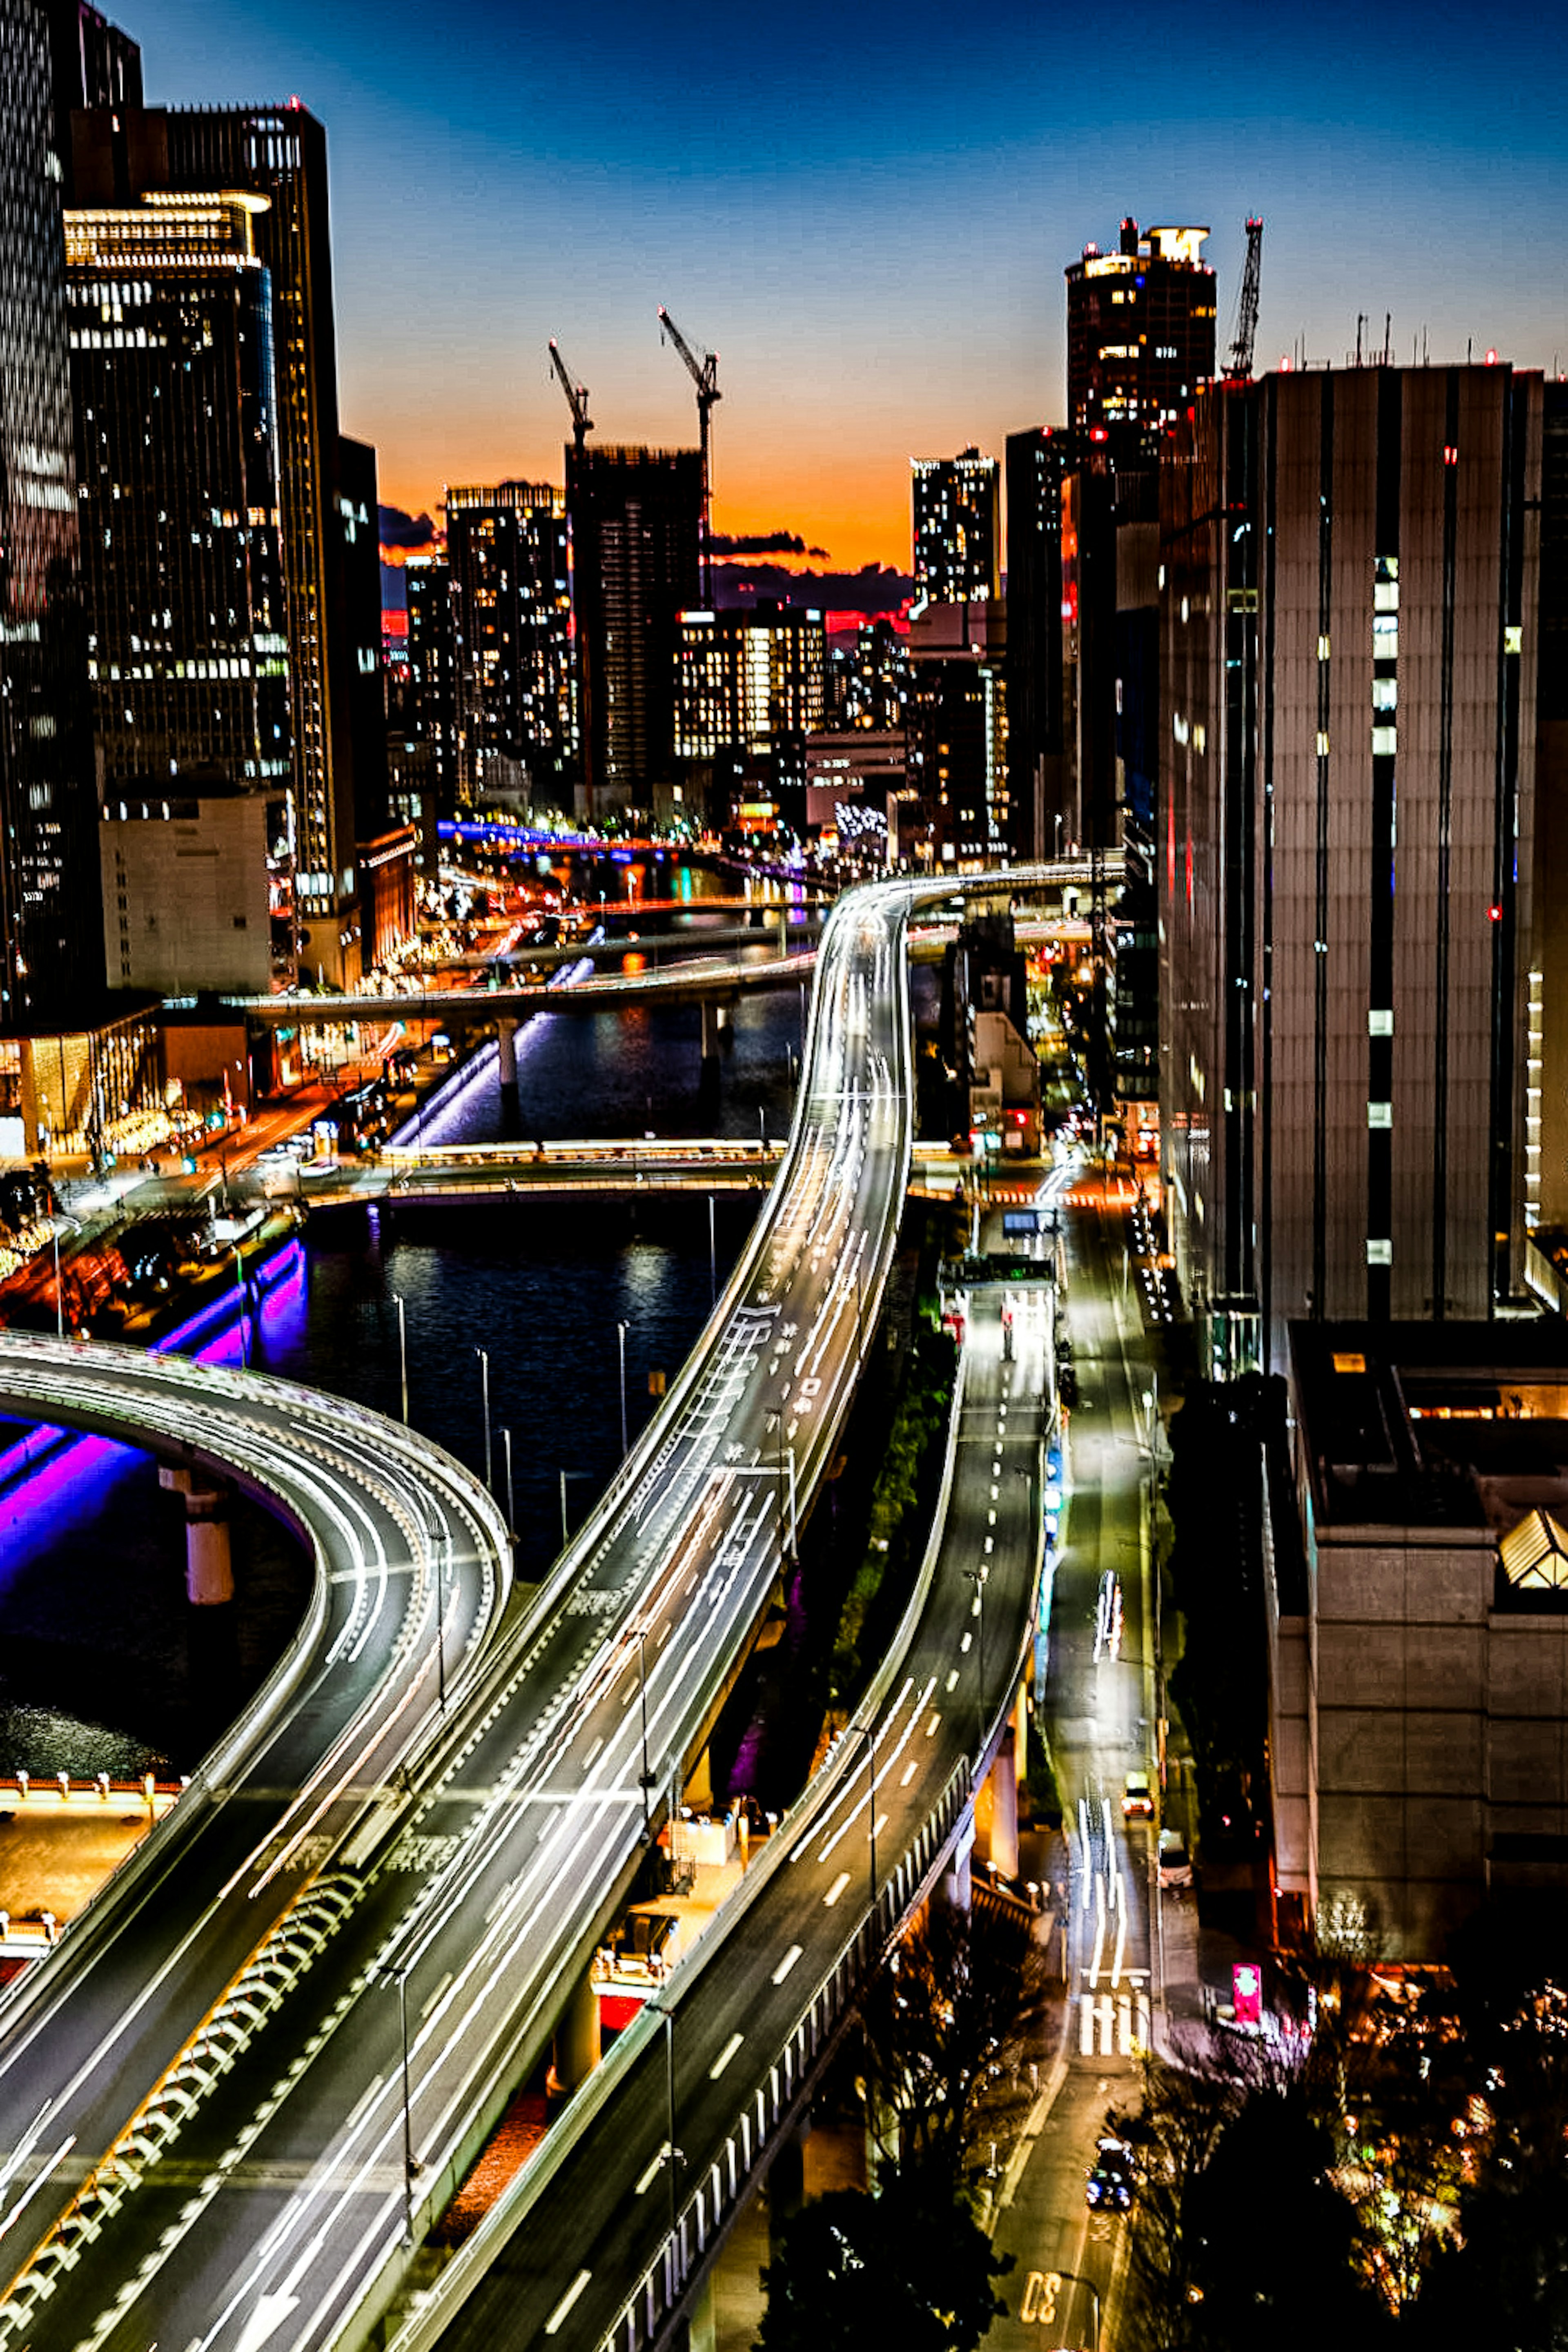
point(1099, 1708)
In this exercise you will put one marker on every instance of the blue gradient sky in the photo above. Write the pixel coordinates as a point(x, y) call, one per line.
point(866, 209)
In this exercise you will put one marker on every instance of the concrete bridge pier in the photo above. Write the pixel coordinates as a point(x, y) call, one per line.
point(510, 1115)
point(787, 2183)
point(718, 1038)
point(996, 1808)
point(209, 1566)
point(954, 1885)
point(578, 2044)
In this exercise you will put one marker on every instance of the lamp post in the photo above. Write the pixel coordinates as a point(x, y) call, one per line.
point(866, 1732)
point(239, 1286)
point(484, 1357)
point(645, 1777)
point(402, 1353)
point(399, 1976)
point(977, 1577)
point(712, 1256)
point(621, 1331)
point(672, 2155)
point(565, 1531)
point(441, 1544)
point(56, 1221)
point(506, 1457)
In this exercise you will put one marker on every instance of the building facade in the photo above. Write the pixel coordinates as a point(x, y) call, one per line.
point(748, 681)
point(1345, 851)
point(185, 895)
point(507, 549)
point(635, 517)
point(1140, 331)
point(432, 692)
point(957, 542)
point(51, 955)
point(170, 358)
point(958, 735)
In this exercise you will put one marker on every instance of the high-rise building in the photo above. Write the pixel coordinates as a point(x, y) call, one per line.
point(635, 519)
point(279, 153)
point(507, 550)
point(748, 680)
point(1348, 623)
point(1140, 331)
point(958, 735)
point(357, 573)
point(171, 360)
point(51, 952)
point(432, 693)
point(867, 681)
point(956, 544)
point(91, 64)
point(1039, 676)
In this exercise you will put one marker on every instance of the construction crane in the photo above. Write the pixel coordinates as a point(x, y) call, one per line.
point(704, 375)
point(576, 398)
point(1239, 368)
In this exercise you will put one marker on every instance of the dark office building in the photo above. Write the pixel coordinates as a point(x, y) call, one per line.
point(956, 539)
point(1140, 331)
point(507, 550)
point(958, 735)
point(1349, 1015)
point(91, 64)
point(432, 692)
point(1039, 675)
point(356, 556)
point(635, 519)
point(868, 682)
point(51, 943)
point(170, 361)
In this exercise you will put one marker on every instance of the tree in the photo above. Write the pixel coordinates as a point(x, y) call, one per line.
point(947, 2028)
point(908, 2267)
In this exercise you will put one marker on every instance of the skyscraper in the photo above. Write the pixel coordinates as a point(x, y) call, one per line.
point(748, 680)
point(1140, 331)
point(51, 950)
point(91, 64)
point(1349, 622)
point(956, 542)
point(636, 519)
point(171, 357)
point(507, 549)
point(433, 673)
point(1038, 681)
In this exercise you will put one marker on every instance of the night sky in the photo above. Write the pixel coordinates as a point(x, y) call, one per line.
point(867, 208)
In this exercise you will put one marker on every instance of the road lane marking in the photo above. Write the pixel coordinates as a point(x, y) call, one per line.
point(931, 1727)
point(963, 1645)
point(836, 1890)
point(952, 1680)
point(909, 1774)
point(554, 2324)
point(724, 2056)
point(653, 2170)
point(793, 1955)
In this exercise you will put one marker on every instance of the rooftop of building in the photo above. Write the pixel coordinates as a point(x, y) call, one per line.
point(1448, 1426)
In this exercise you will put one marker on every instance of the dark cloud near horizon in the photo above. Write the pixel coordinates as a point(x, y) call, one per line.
point(875, 588)
point(400, 530)
point(763, 543)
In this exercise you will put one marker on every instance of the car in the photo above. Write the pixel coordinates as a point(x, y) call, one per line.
point(1109, 2186)
point(1137, 1797)
point(1175, 1862)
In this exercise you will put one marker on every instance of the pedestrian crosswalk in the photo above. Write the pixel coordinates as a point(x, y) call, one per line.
point(1113, 2024)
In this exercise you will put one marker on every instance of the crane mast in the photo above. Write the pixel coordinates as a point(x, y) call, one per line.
point(576, 398)
point(704, 375)
point(1239, 368)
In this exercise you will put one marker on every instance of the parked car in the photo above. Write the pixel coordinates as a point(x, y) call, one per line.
point(1175, 1862)
point(1137, 1797)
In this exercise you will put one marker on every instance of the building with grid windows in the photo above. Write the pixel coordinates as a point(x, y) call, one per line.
point(1140, 331)
point(1345, 852)
point(171, 357)
point(748, 680)
point(51, 955)
point(957, 546)
point(636, 516)
point(516, 706)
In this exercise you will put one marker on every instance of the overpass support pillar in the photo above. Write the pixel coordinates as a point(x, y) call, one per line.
point(506, 1031)
point(210, 1568)
point(786, 2184)
point(699, 1791)
point(954, 1883)
point(996, 1808)
point(578, 2046)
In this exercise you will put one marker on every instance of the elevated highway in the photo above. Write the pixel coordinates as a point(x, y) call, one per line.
point(284, 2210)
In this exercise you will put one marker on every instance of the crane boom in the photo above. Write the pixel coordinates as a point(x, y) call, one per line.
point(1239, 366)
point(576, 396)
point(704, 375)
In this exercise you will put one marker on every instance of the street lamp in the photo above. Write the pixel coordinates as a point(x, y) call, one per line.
point(565, 1531)
point(402, 1353)
point(712, 1256)
point(672, 2155)
point(411, 2165)
point(443, 1544)
point(646, 1778)
point(510, 1510)
point(56, 1221)
point(621, 1330)
point(239, 1286)
point(484, 1357)
point(977, 1577)
point(866, 1732)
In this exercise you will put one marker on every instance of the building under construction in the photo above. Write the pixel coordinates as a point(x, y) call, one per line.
point(636, 518)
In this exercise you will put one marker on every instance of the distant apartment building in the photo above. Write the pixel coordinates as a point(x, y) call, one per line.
point(956, 529)
point(869, 680)
point(635, 517)
point(432, 688)
point(958, 736)
point(748, 681)
point(507, 551)
point(1351, 1018)
point(1140, 331)
point(170, 361)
